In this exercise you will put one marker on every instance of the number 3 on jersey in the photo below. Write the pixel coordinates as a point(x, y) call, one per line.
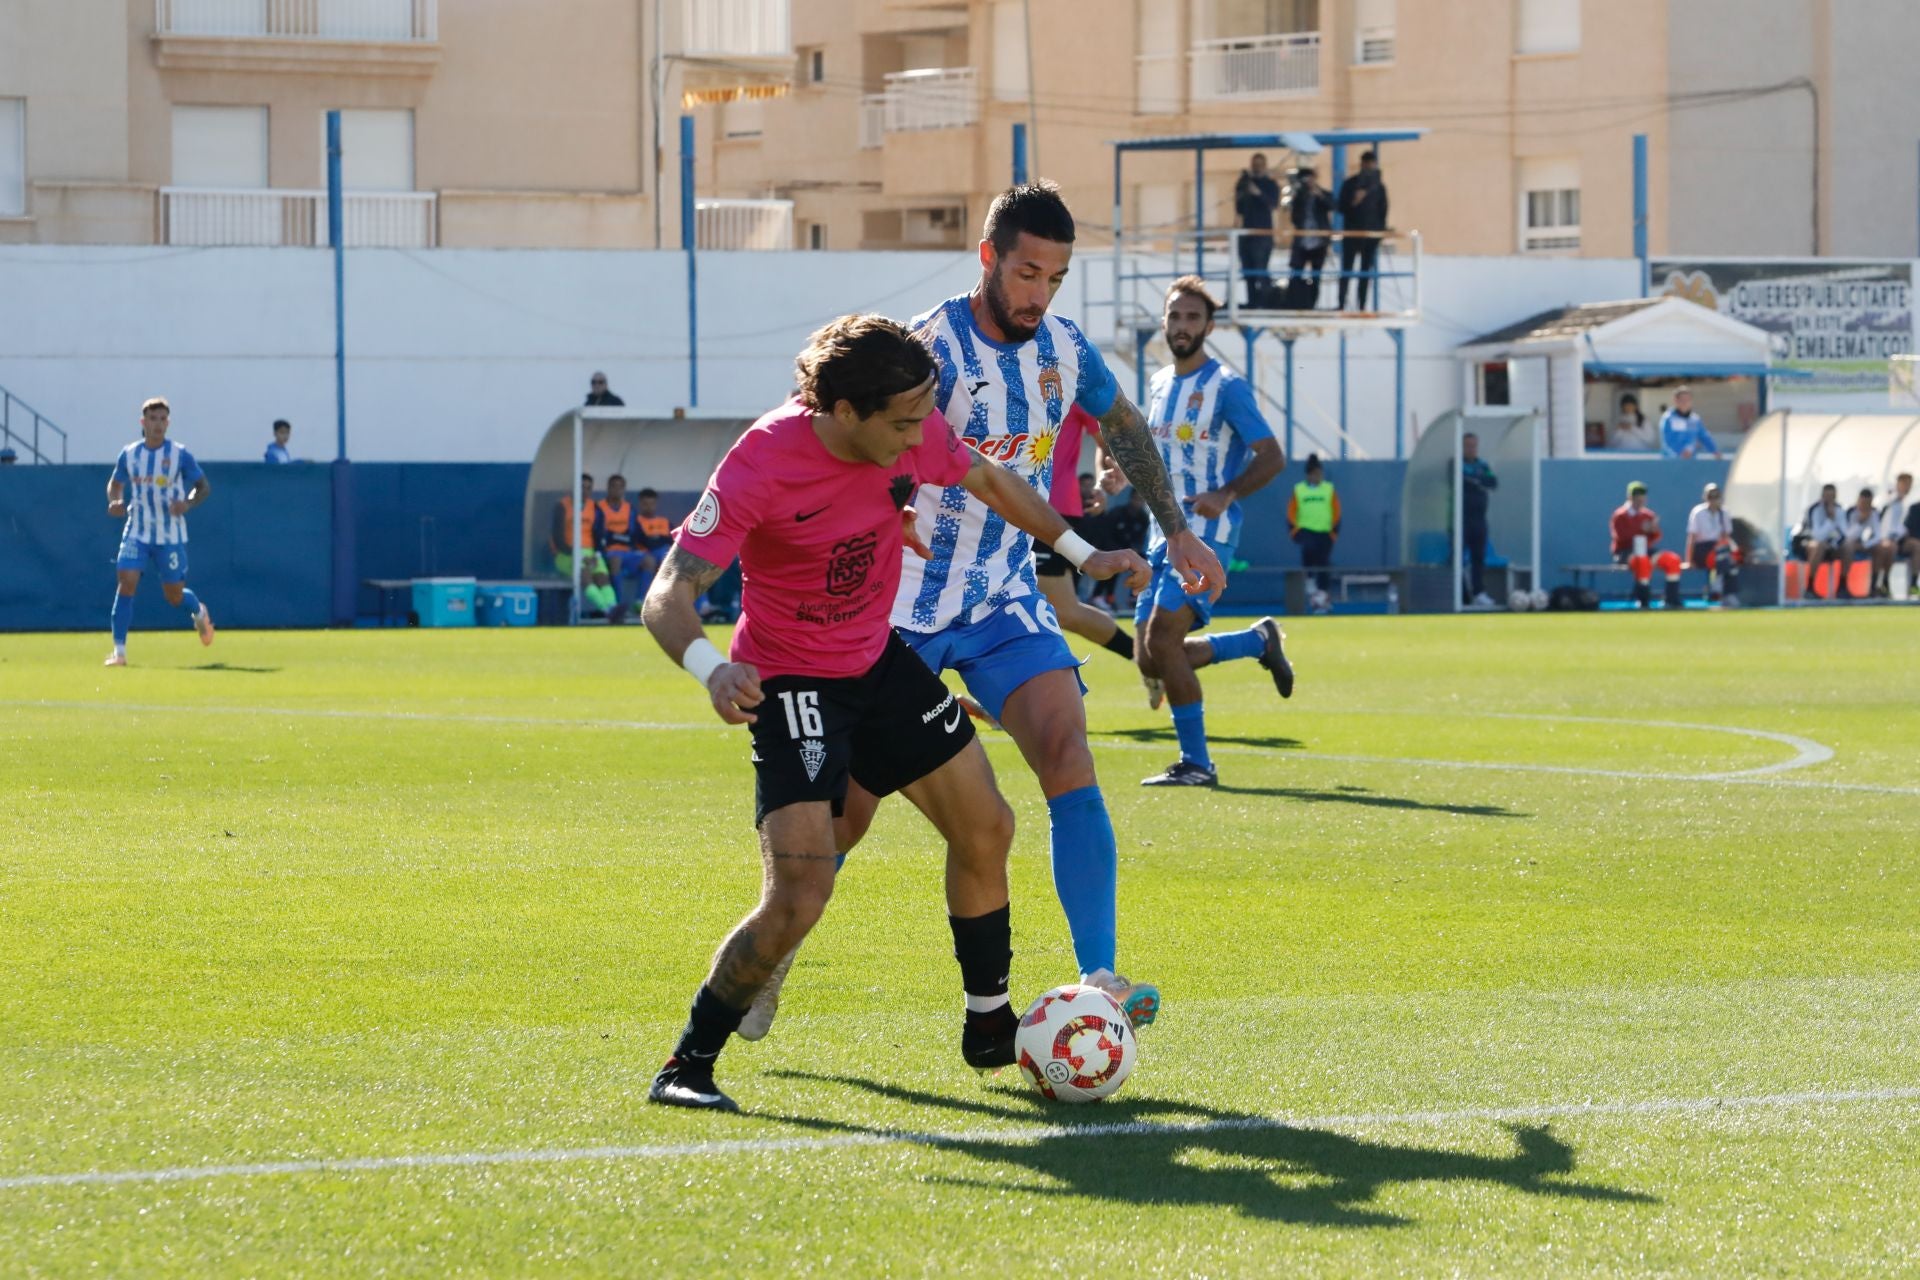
point(803, 713)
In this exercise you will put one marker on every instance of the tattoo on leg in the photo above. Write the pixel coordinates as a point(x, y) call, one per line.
point(777, 856)
point(741, 968)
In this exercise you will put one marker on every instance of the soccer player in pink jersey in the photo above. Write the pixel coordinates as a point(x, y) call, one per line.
point(810, 499)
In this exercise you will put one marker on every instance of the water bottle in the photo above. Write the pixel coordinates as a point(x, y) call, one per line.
point(1393, 598)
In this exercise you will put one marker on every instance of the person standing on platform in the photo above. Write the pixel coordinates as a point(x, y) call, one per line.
point(1363, 207)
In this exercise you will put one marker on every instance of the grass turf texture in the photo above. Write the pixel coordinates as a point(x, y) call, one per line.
point(393, 894)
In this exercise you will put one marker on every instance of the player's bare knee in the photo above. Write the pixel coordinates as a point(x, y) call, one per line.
point(172, 591)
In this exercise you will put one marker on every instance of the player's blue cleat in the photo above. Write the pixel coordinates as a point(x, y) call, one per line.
point(689, 1084)
point(1141, 1000)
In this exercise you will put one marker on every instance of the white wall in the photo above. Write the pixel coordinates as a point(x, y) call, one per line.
point(469, 354)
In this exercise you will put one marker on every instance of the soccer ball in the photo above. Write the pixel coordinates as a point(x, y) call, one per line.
point(1075, 1044)
point(1540, 600)
point(1519, 602)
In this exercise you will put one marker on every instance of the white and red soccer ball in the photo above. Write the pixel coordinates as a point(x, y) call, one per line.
point(1075, 1044)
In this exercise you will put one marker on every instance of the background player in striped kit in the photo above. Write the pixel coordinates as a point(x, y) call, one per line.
point(155, 483)
point(1218, 449)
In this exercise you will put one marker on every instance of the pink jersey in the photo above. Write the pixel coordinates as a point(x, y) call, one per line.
point(1064, 494)
point(819, 541)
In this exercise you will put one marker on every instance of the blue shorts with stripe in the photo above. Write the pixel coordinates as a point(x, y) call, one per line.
point(1000, 652)
point(1165, 591)
point(168, 559)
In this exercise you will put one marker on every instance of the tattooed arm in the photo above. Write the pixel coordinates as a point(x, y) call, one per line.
point(733, 687)
point(1131, 447)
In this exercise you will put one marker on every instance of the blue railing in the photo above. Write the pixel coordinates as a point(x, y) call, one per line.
point(15, 426)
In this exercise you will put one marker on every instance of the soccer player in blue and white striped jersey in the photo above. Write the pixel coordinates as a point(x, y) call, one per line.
point(1218, 449)
point(155, 483)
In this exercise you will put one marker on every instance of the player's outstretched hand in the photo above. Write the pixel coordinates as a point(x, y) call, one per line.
point(117, 510)
point(1102, 565)
point(1112, 478)
point(734, 688)
point(910, 530)
point(1199, 569)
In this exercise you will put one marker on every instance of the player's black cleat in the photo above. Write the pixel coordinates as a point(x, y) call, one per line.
point(689, 1084)
point(1275, 657)
point(986, 1042)
point(1184, 773)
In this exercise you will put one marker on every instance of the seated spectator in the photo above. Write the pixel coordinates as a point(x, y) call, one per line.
point(1682, 434)
point(1862, 541)
point(615, 530)
point(1900, 530)
point(277, 452)
point(1631, 434)
point(1820, 536)
point(1710, 546)
point(598, 397)
point(1635, 530)
point(573, 527)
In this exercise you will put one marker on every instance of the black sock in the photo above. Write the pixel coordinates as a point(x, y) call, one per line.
point(1121, 643)
point(709, 1024)
point(984, 947)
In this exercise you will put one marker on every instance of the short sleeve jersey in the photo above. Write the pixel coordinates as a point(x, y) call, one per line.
point(1204, 422)
point(151, 481)
point(819, 541)
point(1007, 401)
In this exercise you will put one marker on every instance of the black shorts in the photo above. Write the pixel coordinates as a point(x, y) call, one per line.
point(886, 730)
point(1049, 563)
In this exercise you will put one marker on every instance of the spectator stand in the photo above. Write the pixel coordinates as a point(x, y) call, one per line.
point(1147, 259)
point(674, 456)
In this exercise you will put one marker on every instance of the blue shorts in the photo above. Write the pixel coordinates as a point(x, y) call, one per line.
point(996, 655)
point(1166, 592)
point(169, 560)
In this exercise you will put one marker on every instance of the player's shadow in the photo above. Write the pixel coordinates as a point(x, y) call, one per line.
point(1167, 1153)
point(1372, 799)
point(1162, 733)
point(231, 667)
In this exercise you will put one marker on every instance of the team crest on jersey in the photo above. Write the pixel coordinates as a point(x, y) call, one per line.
point(813, 754)
point(1051, 387)
point(1194, 402)
point(850, 563)
point(901, 488)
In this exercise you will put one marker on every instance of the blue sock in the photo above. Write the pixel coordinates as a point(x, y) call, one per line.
point(122, 619)
point(1190, 723)
point(1250, 643)
point(1086, 874)
point(190, 602)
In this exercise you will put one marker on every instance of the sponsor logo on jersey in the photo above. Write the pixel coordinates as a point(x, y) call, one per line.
point(1038, 447)
point(937, 712)
point(850, 563)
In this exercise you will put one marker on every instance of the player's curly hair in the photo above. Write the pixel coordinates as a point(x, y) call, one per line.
point(1193, 287)
point(1033, 207)
point(865, 360)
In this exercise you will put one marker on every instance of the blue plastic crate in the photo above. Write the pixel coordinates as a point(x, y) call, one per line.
point(504, 606)
point(444, 602)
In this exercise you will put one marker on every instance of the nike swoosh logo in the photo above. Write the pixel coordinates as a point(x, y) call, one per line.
point(811, 514)
point(959, 714)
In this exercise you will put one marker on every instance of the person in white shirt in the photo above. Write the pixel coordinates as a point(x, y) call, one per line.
point(1821, 536)
point(1631, 434)
point(1710, 545)
point(1900, 529)
point(1863, 542)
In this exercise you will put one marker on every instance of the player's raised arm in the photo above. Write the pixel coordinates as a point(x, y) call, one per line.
point(1131, 446)
point(669, 612)
point(1023, 507)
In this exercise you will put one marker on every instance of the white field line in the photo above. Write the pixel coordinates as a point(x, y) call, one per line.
point(988, 1137)
point(1807, 752)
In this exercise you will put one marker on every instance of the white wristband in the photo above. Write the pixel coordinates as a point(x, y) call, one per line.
point(1074, 547)
point(701, 660)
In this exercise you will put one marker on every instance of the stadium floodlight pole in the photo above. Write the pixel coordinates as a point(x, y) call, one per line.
point(688, 235)
point(1343, 395)
point(1399, 337)
point(346, 587)
point(1640, 209)
point(1538, 439)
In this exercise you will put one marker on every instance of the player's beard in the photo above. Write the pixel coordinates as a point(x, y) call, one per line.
point(1185, 344)
point(1002, 314)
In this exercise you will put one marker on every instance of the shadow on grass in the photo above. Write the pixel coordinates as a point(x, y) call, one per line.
point(1362, 796)
point(1168, 1153)
point(1164, 733)
point(227, 666)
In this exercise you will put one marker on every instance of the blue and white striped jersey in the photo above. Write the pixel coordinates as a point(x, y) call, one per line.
point(1204, 423)
point(1006, 401)
point(152, 480)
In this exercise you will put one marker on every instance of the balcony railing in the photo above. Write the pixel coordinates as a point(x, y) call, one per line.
point(743, 224)
point(932, 98)
point(736, 28)
point(873, 120)
point(298, 219)
point(385, 21)
point(1256, 67)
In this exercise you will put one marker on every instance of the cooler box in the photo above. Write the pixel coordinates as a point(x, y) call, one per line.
point(444, 602)
point(503, 606)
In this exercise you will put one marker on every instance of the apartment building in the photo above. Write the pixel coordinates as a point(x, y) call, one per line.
point(1774, 126)
point(483, 123)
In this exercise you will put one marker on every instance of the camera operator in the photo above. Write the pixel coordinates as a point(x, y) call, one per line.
point(1311, 209)
point(1255, 196)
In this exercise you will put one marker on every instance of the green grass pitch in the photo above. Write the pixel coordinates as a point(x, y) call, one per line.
point(1532, 946)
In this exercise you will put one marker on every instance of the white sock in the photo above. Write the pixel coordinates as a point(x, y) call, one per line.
point(987, 1004)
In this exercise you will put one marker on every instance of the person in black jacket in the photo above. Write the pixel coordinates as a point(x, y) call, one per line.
point(1311, 210)
point(598, 397)
point(1363, 206)
point(1255, 196)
